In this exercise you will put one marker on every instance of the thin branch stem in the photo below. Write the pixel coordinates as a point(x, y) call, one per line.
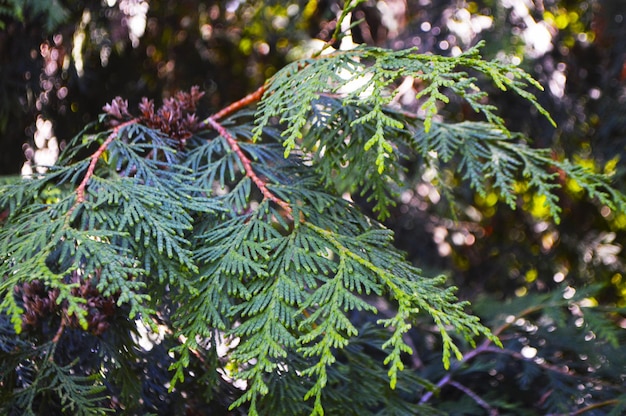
point(520, 357)
point(594, 406)
point(527, 311)
point(62, 326)
point(484, 347)
point(482, 403)
point(237, 105)
point(80, 190)
point(212, 122)
point(340, 28)
point(545, 366)
point(247, 165)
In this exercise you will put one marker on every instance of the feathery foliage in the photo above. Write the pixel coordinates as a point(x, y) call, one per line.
point(232, 232)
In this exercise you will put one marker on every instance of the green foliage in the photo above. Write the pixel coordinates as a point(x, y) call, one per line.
point(290, 285)
point(362, 76)
point(490, 158)
point(539, 330)
point(234, 232)
point(52, 11)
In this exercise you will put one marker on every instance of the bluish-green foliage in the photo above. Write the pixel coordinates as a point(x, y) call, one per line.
point(307, 294)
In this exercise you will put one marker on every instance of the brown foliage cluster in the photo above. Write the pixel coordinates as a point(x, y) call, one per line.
point(41, 303)
point(176, 117)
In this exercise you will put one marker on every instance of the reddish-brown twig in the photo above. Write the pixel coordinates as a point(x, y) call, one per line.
point(247, 165)
point(80, 190)
point(237, 105)
point(61, 328)
point(212, 122)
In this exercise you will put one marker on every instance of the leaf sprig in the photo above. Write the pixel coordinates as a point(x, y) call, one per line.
point(237, 227)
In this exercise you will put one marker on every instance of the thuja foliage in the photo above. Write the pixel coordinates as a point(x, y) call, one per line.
point(228, 239)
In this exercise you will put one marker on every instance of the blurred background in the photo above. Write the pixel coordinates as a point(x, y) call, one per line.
point(62, 60)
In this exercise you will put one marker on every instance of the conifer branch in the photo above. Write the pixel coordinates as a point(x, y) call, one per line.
point(174, 225)
point(247, 165)
point(59, 333)
point(346, 12)
point(485, 346)
point(591, 407)
point(481, 402)
point(238, 105)
point(80, 190)
point(342, 250)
